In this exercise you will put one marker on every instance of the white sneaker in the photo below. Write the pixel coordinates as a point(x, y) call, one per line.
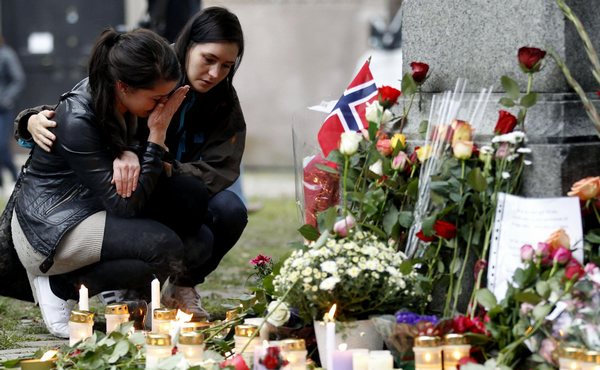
point(112, 296)
point(55, 311)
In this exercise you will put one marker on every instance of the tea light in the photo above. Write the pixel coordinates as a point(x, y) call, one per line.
point(245, 336)
point(360, 359)
point(158, 346)
point(46, 362)
point(381, 360)
point(81, 324)
point(569, 358)
point(294, 350)
point(342, 359)
point(84, 299)
point(591, 360)
point(455, 347)
point(191, 344)
point(161, 320)
point(115, 314)
point(231, 314)
point(428, 353)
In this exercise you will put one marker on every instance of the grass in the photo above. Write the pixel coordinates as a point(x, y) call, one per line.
point(268, 232)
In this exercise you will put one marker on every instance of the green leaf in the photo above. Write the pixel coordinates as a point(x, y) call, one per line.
point(486, 298)
point(529, 100)
point(390, 219)
point(405, 218)
point(541, 311)
point(373, 131)
point(528, 297)
point(511, 87)
point(406, 267)
point(326, 168)
point(408, 86)
point(593, 236)
point(327, 219)
point(543, 289)
point(507, 102)
point(476, 180)
point(423, 127)
point(427, 225)
point(121, 349)
point(309, 232)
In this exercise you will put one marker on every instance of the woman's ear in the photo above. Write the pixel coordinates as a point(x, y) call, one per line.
point(122, 87)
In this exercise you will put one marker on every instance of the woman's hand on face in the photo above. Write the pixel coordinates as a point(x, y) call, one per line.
point(126, 171)
point(38, 125)
point(163, 112)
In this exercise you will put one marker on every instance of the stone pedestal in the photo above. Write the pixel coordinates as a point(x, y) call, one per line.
point(478, 40)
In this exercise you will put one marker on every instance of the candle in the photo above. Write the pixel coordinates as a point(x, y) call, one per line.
point(568, 358)
point(360, 359)
point(294, 350)
point(191, 344)
point(161, 320)
point(428, 353)
point(259, 351)
point(115, 314)
point(84, 302)
point(455, 347)
point(155, 294)
point(342, 359)
point(190, 326)
point(46, 362)
point(329, 337)
point(158, 346)
point(591, 360)
point(381, 360)
point(81, 324)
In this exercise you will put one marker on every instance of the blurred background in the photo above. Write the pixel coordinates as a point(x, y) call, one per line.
point(298, 53)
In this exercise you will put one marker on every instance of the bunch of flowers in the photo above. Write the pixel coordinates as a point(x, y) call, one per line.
point(273, 359)
point(588, 192)
point(360, 273)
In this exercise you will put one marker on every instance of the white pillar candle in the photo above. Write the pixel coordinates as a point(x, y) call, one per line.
point(329, 337)
point(155, 296)
point(360, 359)
point(84, 302)
point(342, 358)
point(381, 360)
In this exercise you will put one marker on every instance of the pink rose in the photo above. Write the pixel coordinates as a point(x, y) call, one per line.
point(384, 146)
point(544, 253)
point(526, 308)
point(527, 253)
point(547, 350)
point(562, 255)
point(343, 226)
point(574, 270)
point(236, 361)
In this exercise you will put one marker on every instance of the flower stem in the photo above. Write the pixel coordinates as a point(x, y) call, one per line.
point(462, 271)
point(345, 190)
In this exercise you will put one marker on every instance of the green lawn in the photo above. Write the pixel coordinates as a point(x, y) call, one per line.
point(268, 232)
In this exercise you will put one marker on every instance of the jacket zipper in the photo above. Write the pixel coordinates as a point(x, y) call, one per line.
point(64, 200)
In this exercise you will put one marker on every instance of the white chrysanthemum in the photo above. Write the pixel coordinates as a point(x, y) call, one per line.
point(353, 272)
point(307, 271)
point(307, 279)
point(329, 283)
point(329, 267)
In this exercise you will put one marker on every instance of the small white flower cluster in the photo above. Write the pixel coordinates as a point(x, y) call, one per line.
point(346, 268)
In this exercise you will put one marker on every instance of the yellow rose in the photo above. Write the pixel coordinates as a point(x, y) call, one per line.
point(462, 131)
point(586, 189)
point(398, 139)
point(559, 238)
point(462, 149)
point(423, 153)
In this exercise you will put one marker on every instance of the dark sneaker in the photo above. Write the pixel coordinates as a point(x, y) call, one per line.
point(186, 299)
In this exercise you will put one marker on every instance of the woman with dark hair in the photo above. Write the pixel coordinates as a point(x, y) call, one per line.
point(70, 226)
point(206, 141)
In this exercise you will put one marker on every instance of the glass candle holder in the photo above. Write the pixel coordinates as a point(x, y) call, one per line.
point(158, 346)
point(191, 344)
point(591, 360)
point(245, 334)
point(570, 358)
point(81, 324)
point(294, 350)
point(232, 314)
point(428, 353)
point(115, 314)
point(190, 326)
point(161, 320)
point(455, 347)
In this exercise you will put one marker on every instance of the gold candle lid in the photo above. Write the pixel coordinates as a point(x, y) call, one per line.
point(231, 314)
point(454, 339)
point(158, 339)
point(194, 325)
point(592, 356)
point(426, 341)
point(192, 337)
point(85, 317)
point(292, 344)
point(245, 330)
point(573, 353)
point(116, 309)
point(164, 314)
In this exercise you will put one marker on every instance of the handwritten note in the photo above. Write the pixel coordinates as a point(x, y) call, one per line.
point(522, 221)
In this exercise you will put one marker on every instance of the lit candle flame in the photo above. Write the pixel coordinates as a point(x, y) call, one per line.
point(182, 317)
point(49, 355)
point(330, 315)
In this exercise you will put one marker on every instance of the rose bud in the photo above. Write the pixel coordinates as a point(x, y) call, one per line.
point(398, 139)
point(530, 59)
point(574, 270)
point(388, 96)
point(400, 161)
point(527, 253)
point(559, 238)
point(384, 146)
point(423, 153)
point(349, 142)
point(562, 255)
point(419, 72)
point(586, 188)
point(544, 253)
point(341, 227)
point(377, 168)
point(506, 123)
point(375, 112)
point(421, 235)
point(462, 149)
point(444, 229)
point(462, 131)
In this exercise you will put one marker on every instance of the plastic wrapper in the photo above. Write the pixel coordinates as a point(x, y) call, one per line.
point(321, 188)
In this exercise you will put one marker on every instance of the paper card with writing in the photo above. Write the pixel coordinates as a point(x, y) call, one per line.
point(522, 221)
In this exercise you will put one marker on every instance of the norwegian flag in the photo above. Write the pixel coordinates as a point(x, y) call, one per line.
point(349, 112)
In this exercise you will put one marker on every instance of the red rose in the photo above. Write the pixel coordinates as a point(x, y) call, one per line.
point(419, 72)
point(506, 123)
point(530, 59)
point(444, 229)
point(424, 237)
point(260, 260)
point(236, 361)
point(598, 92)
point(388, 96)
point(574, 270)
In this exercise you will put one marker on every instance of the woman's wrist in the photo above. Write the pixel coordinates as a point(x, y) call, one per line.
point(158, 139)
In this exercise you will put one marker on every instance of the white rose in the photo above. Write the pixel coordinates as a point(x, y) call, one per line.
point(374, 110)
point(377, 168)
point(329, 283)
point(278, 313)
point(349, 142)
